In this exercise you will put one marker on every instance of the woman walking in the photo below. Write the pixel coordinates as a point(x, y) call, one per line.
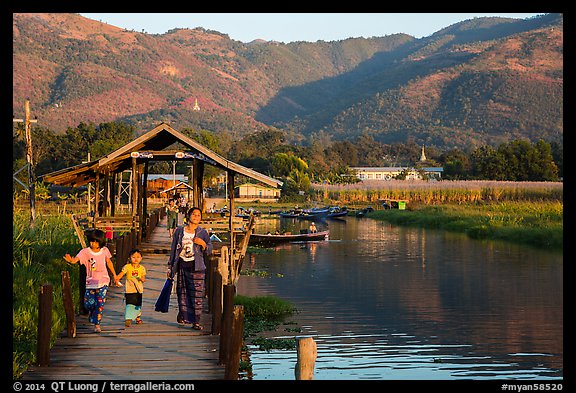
point(189, 252)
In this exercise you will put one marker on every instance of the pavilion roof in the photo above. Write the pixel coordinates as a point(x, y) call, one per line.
point(151, 146)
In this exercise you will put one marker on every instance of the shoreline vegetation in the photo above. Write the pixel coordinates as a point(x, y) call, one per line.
point(520, 212)
point(534, 224)
point(528, 213)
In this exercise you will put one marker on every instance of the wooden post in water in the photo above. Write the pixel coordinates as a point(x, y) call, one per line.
point(236, 340)
point(68, 305)
point(306, 354)
point(44, 325)
point(225, 334)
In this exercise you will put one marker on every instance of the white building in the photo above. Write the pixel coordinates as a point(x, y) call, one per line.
point(390, 172)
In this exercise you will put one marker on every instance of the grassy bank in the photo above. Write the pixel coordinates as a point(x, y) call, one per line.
point(37, 260)
point(538, 224)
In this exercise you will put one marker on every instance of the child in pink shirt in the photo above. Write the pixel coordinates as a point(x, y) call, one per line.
point(97, 258)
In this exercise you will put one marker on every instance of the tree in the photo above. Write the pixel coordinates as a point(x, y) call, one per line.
point(487, 163)
point(293, 169)
point(456, 164)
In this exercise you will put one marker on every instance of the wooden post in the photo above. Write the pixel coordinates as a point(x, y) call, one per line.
point(119, 253)
point(97, 195)
point(81, 290)
point(232, 249)
point(216, 301)
point(197, 190)
point(68, 305)
point(228, 306)
point(44, 325)
point(209, 281)
point(113, 194)
point(306, 354)
point(106, 196)
point(236, 340)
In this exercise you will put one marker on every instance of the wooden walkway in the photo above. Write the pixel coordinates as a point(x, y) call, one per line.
point(158, 349)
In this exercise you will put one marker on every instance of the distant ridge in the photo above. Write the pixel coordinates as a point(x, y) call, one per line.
point(485, 80)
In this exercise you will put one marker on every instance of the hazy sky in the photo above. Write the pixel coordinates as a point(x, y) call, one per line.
point(289, 27)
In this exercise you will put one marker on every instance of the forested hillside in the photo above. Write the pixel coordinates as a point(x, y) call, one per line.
point(486, 80)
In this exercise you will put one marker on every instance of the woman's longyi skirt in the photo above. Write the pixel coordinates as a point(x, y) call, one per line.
point(190, 291)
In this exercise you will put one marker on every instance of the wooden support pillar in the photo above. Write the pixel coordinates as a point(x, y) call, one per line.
point(306, 358)
point(197, 189)
point(236, 340)
point(120, 253)
point(44, 325)
point(228, 306)
point(134, 193)
point(81, 290)
point(216, 301)
point(106, 197)
point(68, 305)
point(232, 249)
point(140, 190)
point(145, 190)
point(113, 194)
point(144, 231)
point(97, 195)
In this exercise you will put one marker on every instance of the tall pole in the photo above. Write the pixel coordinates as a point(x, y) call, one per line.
point(30, 159)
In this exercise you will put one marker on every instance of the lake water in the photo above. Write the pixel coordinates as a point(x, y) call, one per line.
point(392, 303)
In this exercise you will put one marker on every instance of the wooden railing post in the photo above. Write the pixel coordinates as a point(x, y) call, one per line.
point(236, 340)
point(216, 302)
point(228, 306)
point(44, 325)
point(306, 354)
point(81, 290)
point(119, 253)
point(68, 305)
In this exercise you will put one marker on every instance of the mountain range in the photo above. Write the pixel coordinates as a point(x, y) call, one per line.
point(480, 81)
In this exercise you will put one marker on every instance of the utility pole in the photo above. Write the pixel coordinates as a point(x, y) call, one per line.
point(30, 160)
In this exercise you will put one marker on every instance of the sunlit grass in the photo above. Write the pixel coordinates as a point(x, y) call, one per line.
point(37, 260)
point(426, 192)
point(538, 224)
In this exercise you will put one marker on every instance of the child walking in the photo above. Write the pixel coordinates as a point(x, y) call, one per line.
point(97, 259)
point(135, 278)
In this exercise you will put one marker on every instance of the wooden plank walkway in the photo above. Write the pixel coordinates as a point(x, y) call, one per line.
point(158, 349)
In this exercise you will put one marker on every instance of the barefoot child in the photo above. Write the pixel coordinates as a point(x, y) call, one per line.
point(96, 258)
point(135, 277)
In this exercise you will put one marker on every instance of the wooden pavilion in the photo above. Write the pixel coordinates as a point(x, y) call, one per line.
point(162, 143)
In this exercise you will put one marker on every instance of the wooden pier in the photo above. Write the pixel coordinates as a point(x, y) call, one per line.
point(158, 349)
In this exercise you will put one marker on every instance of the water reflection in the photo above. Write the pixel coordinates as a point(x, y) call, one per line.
point(386, 302)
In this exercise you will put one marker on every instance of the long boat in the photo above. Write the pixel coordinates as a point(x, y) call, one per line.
point(337, 212)
point(308, 214)
point(259, 239)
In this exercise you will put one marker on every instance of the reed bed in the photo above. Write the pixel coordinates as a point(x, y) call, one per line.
point(434, 192)
point(37, 260)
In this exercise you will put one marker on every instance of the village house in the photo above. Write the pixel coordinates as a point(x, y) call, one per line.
point(160, 182)
point(256, 192)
